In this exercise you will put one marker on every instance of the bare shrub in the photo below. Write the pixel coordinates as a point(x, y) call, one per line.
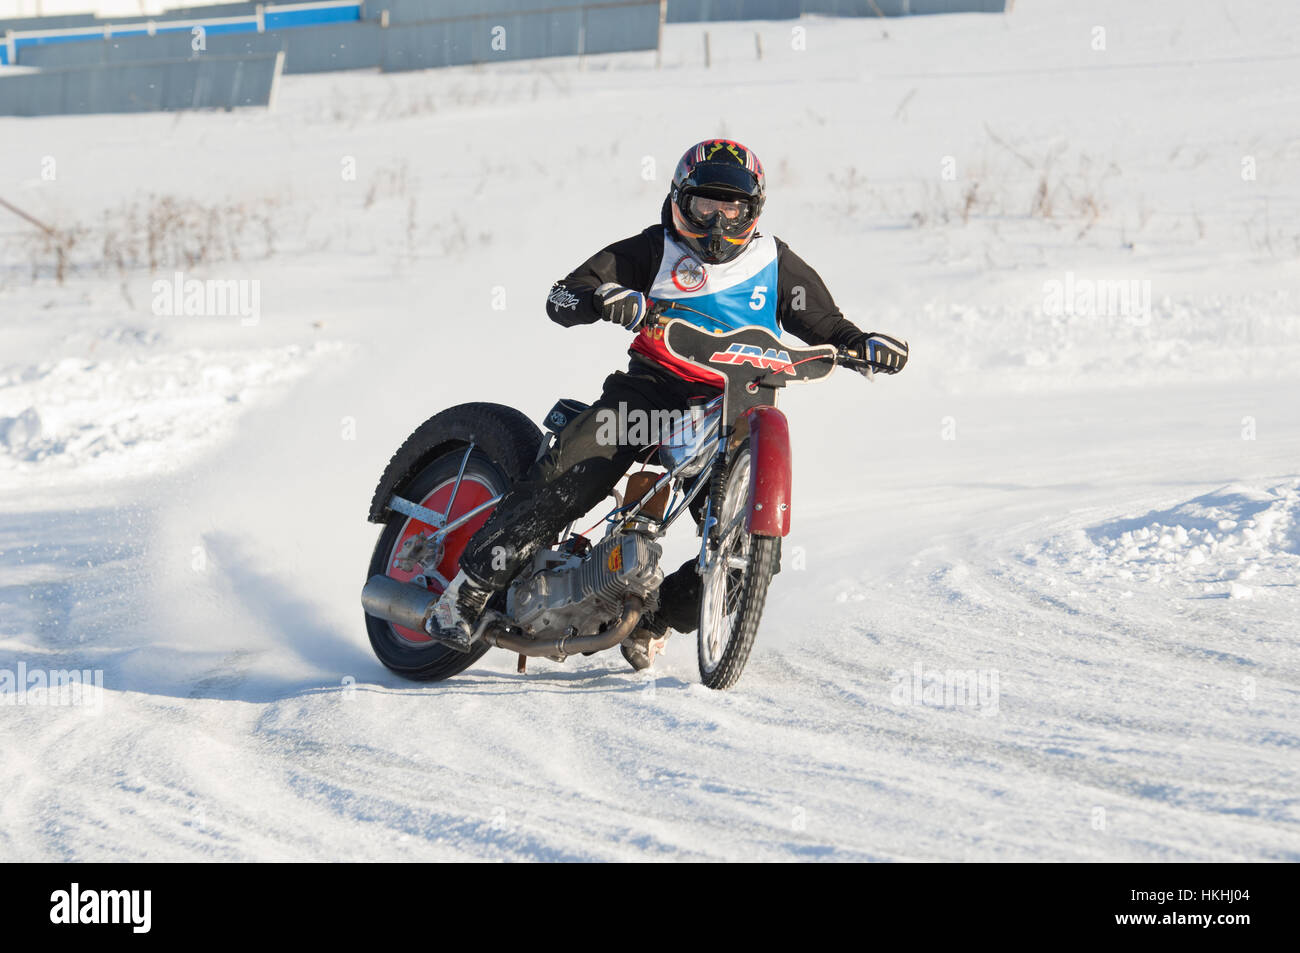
point(156, 232)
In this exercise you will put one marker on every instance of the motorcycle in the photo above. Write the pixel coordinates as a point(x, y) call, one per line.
point(727, 462)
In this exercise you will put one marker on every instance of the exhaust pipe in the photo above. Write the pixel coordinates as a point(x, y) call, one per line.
point(409, 606)
point(633, 607)
point(397, 602)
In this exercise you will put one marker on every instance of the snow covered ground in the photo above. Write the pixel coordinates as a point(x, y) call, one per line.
point(1040, 599)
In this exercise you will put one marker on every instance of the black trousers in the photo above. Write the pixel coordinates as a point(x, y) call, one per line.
point(587, 461)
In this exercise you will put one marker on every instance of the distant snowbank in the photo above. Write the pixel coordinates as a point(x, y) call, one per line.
point(1238, 542)
point(142, 412)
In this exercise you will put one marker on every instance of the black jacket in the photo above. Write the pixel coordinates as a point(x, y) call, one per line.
point(634, 262)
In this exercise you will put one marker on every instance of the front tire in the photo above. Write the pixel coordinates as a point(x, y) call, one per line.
point(734, 586)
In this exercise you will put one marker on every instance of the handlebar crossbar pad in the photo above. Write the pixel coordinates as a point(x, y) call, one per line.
point(748, 353)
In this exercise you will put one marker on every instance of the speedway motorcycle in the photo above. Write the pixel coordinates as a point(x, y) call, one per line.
point(728, 464)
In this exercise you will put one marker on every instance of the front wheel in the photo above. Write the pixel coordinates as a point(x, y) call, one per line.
point(734, 584)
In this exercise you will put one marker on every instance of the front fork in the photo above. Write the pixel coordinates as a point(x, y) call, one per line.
point(767, 501)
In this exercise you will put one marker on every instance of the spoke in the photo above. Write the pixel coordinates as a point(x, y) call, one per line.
point(732, 592)
point(459, 477)
point(464, 518)
point(724, 535)
point(724, 573)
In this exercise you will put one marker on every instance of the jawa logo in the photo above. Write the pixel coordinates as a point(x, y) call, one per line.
point(689, 274)
point(769, 360)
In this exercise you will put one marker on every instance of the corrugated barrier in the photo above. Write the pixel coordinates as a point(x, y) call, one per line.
point(422, 11)
point(204, 12)
point(314, 50)
point(332, 35)
point(699, 11)
point(597, 28)
point(139, 49)
point(213, 82)
point(365, 44)
point(270, 17)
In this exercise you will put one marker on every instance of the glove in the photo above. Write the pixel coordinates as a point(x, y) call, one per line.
point(885, 354)
point(620, 305)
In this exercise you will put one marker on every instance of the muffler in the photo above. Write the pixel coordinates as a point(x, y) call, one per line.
point(400, 603)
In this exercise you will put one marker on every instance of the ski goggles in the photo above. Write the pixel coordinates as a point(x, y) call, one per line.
point(733, 212)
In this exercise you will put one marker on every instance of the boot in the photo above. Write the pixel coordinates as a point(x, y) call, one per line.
point(457, 613)
point(646, 642)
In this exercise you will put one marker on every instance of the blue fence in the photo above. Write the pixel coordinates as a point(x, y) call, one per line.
point(326, 48)
point(271, 16)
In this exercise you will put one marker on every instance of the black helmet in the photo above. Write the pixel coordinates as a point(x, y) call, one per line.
point(717, 195)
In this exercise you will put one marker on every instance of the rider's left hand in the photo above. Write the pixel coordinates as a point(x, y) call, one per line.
point(886, 354)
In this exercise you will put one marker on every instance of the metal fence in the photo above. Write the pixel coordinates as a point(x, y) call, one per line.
point(204, 12)
point(422, 11)
point(48, 23)
point(213, 82)
point(257, 20)
point(138, 49)
point(415, 34)
point(699, 11)
point(316, 50)
point(482, 38)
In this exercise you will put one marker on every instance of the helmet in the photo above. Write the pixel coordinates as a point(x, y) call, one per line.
point(717, 195)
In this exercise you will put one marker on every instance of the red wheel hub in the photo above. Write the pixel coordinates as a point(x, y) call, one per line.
point(472, 493)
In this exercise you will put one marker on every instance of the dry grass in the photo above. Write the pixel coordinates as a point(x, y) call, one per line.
point(156, 232)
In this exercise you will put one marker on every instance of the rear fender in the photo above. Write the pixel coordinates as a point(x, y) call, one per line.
point(504, 435)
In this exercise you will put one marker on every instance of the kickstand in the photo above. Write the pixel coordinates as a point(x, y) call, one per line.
point(523, 665)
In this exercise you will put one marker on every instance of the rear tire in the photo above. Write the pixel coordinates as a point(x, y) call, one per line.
point(505, 444)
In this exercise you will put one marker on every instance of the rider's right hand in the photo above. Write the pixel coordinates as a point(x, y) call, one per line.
point(620, 305)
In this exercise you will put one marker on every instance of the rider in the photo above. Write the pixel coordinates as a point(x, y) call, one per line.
point(705, 250)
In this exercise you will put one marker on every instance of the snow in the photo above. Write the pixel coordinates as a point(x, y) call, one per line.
point(1206, 544)
point(87, 417)
point(1039, 600)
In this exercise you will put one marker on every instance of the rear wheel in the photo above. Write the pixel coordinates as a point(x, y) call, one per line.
point(497, 459)
point(734, 584)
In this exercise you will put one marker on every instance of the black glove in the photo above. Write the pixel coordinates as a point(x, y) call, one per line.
point(885, 354)
point(620, 305)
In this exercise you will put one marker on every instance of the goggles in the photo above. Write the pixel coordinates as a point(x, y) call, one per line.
point(733, 212)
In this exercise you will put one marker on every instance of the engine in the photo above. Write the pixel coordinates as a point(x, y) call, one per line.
point(575, 595)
